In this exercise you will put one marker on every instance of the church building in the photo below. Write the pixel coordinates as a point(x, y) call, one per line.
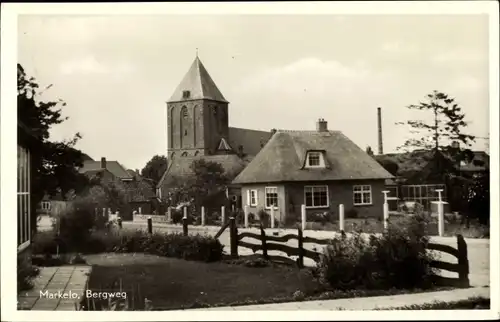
point(198, 127)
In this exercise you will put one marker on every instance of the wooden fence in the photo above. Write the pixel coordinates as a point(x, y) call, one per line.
point(270, 243)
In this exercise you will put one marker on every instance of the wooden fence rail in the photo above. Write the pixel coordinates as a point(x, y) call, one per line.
point(270, 243)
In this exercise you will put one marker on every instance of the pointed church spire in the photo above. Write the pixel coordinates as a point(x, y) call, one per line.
point(197, 84)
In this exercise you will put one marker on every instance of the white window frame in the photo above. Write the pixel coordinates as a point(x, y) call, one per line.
point(253, 200)
point(362, 190)
point(313, 153)
point(277, 197)
point(23, 198)
point(312, 191)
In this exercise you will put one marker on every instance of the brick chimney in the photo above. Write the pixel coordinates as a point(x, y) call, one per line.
point(322, 125)
point(103, 163)
point(379, 129)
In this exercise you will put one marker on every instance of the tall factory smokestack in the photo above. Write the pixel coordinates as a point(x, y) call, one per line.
point(379, 126)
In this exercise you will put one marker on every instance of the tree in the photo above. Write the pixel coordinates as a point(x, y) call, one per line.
point(53, 163)
point(391, 166)
point(445, 133)
point(208, 183)
point(155, 168)
point(447, 124)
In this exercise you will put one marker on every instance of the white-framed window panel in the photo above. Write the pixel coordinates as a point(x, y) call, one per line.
point(252, 198)
point(314, 159)
point(271, 197)
point(23, 197)
point(316, 196)
point(362, 195)
point(45, 205)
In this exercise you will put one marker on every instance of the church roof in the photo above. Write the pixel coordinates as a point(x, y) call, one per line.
point(197, 84)
point(252, 141)
point(282, 159)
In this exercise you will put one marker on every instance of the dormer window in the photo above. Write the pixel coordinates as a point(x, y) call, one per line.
point(186, 94)
point(315, 160)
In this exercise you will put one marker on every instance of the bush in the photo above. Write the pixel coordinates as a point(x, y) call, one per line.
point(265, 219)
point(321, 217)
point(177, 215)
point(191, 247)
point(397, 259)
point(26, 272)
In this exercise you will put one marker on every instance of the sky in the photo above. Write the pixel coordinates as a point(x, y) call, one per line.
point(277, 71)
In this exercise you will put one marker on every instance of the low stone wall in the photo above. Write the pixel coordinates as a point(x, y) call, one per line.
point(155, 218)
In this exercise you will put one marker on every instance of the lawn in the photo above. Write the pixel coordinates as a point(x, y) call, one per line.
point(178, 284)
point(174, 283)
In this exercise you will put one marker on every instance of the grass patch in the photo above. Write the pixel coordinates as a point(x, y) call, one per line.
point(177, 284)
point(473, 303)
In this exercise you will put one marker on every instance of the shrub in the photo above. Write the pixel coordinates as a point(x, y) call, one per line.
point(321, 217)
point(265, 219)
point(191, 247)
point(397, 259)
point(177, 215)
point(26, 272)
point(44, 242)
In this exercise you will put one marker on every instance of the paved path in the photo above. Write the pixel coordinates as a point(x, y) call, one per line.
point(478, 249)
point(363, 303)
point(69, 280)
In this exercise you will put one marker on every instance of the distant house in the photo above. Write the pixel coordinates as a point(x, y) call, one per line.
point(139, 190)
point(25, 211)
point(320, 169)
point(106, 170)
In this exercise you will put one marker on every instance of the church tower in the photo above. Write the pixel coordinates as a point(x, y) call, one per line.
point(197, 116)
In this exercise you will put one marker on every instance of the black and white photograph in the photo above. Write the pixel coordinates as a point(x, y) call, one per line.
point(326, 160)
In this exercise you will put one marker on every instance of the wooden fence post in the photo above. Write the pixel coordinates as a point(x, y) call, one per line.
point(463, 262)
point(223, 215)
point(150, 225)
point(202, 215)
point(303, 216)
point(300, 260)
point(185, 226)
point(264, 245)
point(246, 216)
point(233, 235)
point(341, 218)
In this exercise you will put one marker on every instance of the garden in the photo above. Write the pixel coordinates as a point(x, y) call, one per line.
point(165, 271)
